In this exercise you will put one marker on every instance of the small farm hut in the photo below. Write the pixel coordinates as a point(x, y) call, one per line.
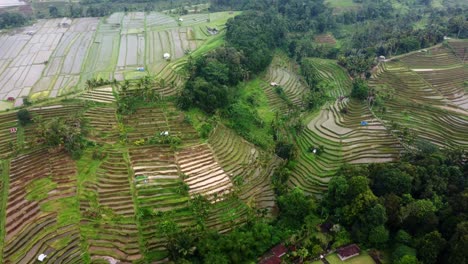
point(41, 257)
point(140, 69)
point(13, 130)
point(382, 58)
point(65, 22)
point(164, 133)
point(348, 252)
point(181, 19)
point(363, 123)
point(212, 31)
point(273, 84)
point(166, 56)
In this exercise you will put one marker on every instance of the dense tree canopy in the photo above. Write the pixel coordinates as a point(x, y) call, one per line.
point(12, 19)
point(68, 133)
point(416, 201)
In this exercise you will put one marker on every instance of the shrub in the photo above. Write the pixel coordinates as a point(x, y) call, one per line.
point(67, 132)
point(360, 89)
point(139, 142)
point(98, 154)
point(205, 130)
point(285, 150)
point(24, 117)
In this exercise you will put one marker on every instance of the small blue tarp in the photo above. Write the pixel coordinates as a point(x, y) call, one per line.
point(363, 123)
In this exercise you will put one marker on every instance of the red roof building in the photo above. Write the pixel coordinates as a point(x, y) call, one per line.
point(273, 256)
point(348, 252)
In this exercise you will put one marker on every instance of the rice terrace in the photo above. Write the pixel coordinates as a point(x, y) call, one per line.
point(233, 132)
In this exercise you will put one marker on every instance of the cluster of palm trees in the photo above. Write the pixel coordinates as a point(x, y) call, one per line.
point(93, 83)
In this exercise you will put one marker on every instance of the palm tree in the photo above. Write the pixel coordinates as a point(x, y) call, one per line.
point(89, 85)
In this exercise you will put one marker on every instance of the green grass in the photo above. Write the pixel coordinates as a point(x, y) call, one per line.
point(4, 183)
point(252, 92)
point(211, 44)
point(87, 167)
point(5, 105)
point(363, 258)
point(68, 210)
point(342, 3)
point(437, 4)
point(252, 89)
point(38, 189)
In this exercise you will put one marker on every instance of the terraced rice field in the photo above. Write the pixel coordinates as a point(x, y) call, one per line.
point(57, 56)
point(337, 128)
point(428, 96)
point(38, 61)
point(40, 183)
point(444, 70)
point(335, 75)
point(47, 113)
point(100, 95)
point(284, 74)
point(459, 47)
point(344, 140)
point(103, 121)
point(450, 83)
point(114, 233)
point(434, 58)
point(149, 122)
point(326, 39)
point(204, 174)
point(241, 159)
point(7, 137)
point(160, 173)
point(91, 209)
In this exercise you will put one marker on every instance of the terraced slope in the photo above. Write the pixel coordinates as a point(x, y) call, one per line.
point(158, 188)
point(103, 124)
point(326, 39)
point(7, 137)
point(450, 83)
point(171, 78)
point(442, 70)
point(109, 223)
point(36, 221)
point(460, 47)
point(344, 140)
point(407, 83)
point(283, 72)
point(55, 57)
point(335, 75)
point(240, 159)
point(100, 95)
point(204, 176)
point(336, 134)
point(47, 113)
point(149, 122)
point(429, 111)
point(434, 58)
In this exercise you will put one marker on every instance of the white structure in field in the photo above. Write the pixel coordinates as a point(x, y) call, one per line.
point(41, 257)
point(166, 56)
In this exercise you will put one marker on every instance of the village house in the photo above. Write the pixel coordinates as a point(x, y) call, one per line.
point(348, 252)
